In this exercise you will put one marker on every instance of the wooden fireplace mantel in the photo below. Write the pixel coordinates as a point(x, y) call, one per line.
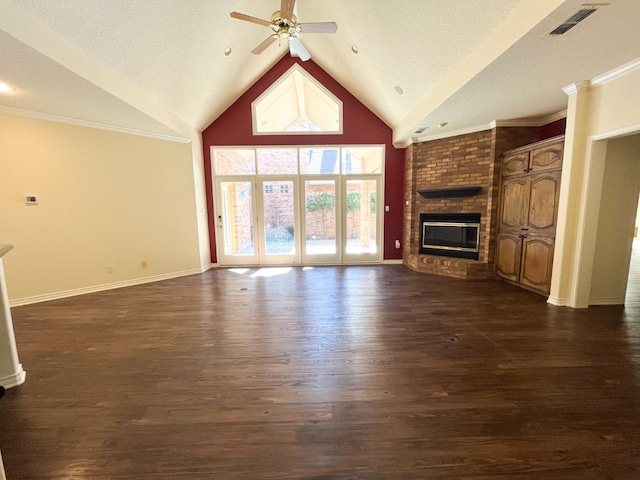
point(450, 192)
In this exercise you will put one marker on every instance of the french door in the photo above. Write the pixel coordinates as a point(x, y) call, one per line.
point(297, 220)
point(321, 226)
point(277, 221)
point(256, 221)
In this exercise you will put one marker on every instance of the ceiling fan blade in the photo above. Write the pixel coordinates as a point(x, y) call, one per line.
point(319, 27)
point(286, 8)
point(296, 47)
point(249, 18)
point(264, 45)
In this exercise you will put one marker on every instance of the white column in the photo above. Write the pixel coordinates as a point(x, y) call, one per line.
point(2, 475)
point(563, 278)
point(11, 372)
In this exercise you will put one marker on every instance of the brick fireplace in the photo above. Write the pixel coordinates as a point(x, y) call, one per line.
point(457, 175)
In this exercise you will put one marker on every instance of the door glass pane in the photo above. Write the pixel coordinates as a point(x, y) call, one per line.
point(319, 161)
point(237, 218)
point(277, 161)
point(279, 217)
point(360, 208)
point(362, 160)
point(320, 217)
point(237, 161)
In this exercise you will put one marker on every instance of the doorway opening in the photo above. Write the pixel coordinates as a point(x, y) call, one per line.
point(618, 176)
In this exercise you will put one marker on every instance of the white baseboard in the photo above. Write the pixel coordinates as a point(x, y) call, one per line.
point(557, 301)
point(606, 301)
point(14, 379)
point(392, 262)
point(100, 288)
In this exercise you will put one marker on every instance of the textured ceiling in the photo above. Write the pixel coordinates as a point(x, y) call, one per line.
point(158, 66)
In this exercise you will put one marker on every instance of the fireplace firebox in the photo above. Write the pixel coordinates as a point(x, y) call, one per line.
point(450, 234)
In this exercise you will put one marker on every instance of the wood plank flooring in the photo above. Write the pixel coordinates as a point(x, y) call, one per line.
point(370, 372)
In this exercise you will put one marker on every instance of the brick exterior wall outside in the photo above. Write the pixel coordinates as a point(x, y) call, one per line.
point(466, 160)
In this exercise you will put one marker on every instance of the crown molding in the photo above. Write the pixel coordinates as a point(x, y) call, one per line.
point(577, 87)
point(554, 117)
point(518, 122)
point(84, 123)
point(616, 73)
point(465, 131)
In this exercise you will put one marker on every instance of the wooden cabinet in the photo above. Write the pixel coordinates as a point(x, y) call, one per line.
point(537, 260)
point(545, 155)
point(509, 255)
point(528, 213)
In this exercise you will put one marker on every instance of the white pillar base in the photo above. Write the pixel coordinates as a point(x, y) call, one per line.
point(14, 380)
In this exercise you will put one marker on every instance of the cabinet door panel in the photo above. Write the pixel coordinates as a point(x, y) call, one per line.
point(516, 164)
point(537, 261)
point(508, 253)
point(543, 202)
point(547, 158)
point(515, 203)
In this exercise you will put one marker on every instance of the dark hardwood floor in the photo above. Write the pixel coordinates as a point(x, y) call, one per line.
point(372, 372)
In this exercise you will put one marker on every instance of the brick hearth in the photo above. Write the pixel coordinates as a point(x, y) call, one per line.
point(461, 161)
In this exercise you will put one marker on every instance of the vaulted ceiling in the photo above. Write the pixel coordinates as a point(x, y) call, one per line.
point(159, 66)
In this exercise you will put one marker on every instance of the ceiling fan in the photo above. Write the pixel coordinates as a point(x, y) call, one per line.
point(285, 26)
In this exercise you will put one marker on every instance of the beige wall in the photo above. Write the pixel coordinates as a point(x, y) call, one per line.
point(598, 112)
point(615, 104)
point(104, 198)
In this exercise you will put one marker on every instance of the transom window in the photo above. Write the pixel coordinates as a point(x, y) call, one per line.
point(338, 160)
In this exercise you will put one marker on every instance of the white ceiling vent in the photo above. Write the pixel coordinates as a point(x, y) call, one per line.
point(576, 18)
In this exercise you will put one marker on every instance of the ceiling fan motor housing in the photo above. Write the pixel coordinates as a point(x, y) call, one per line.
point(285, 27)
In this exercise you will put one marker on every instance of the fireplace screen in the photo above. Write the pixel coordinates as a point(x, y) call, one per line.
point(450, 235)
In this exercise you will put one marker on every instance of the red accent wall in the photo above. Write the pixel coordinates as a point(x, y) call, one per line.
point(360, 127)
point(553, 129)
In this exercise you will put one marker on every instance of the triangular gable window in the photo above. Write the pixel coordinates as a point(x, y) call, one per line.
point(296, 104)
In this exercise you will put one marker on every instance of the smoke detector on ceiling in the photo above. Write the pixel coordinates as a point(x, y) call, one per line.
point(585, 11)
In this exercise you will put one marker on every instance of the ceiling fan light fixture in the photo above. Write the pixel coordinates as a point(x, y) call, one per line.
point(284, 25)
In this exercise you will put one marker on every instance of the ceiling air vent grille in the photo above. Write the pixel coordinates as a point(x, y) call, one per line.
point(573, 20)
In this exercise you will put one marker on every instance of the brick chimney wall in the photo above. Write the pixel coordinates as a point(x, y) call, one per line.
point(466, 160)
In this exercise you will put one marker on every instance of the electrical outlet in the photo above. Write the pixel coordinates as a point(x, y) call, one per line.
point(144, 264)
point(398, 244)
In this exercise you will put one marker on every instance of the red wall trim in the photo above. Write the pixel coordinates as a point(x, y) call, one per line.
point(360, 127)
